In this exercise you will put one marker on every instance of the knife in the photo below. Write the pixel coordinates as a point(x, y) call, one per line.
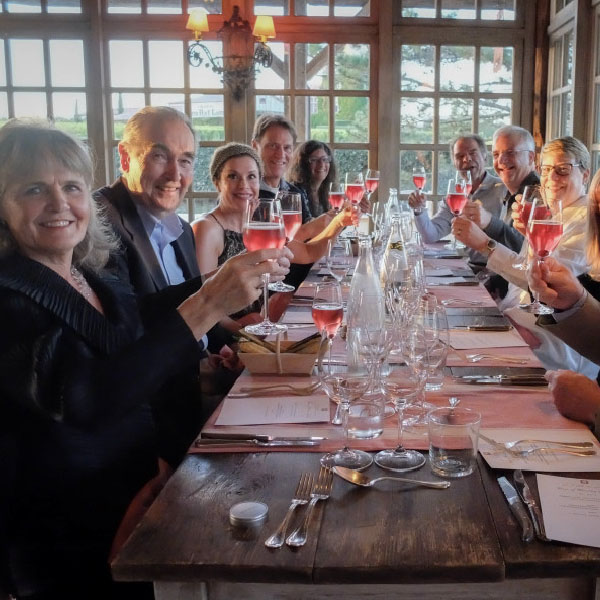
point(483, 327)
point(274, 443)
point(258, 437)
point(460, 283)
point(503, 380)
point(517, 508)
point(534, 509)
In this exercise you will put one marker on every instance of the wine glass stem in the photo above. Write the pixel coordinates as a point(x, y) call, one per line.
point(266, 297)
point(346, 414)
point(400, 411)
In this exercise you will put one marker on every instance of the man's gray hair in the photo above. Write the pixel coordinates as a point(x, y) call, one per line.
point(268, 120)
point(516, 131)
point(469, 136)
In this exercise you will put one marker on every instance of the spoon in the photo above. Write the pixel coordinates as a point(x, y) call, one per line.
point(365, 481)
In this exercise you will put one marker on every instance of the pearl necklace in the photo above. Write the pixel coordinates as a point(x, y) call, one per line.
point(83, 287)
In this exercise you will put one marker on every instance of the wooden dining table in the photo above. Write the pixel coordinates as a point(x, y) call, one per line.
point(392, 541)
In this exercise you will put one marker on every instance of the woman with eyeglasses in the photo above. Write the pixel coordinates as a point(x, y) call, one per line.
point(312, 169)
point(564, 171)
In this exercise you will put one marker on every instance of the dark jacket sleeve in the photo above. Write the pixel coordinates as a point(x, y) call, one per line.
point(504, 234)
point(47, 369)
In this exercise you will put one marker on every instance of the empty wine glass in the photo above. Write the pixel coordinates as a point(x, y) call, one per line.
point(291, 212)
point(403, 386)
point(339, 258)
point(345, 384)
point(336, 195)
point(544, 230)
point(419, 176)
point(263, 228)
point(529, 194)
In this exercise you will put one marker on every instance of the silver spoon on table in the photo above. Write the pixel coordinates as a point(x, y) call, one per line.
point(365, 481)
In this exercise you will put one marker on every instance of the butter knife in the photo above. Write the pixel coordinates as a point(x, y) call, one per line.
point(534, 509)
point(504, 380)
point(274, 443)
point(517, 508)
point(259, 437)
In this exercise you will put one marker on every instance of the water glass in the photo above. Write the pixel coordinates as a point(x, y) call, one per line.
point(453, 439)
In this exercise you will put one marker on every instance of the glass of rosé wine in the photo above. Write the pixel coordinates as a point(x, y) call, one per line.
point(419, 177)
point(336, 196)
point(328, 308)
point(464, 179)
point(544, 230)
point(290, 204)
point(529, 194)
point(263, 228)
point(456, 198)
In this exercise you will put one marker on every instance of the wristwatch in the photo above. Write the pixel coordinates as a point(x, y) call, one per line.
point(491, 246)
point(417, 211)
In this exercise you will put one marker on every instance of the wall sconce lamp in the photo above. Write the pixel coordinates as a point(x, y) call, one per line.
point(237, 68)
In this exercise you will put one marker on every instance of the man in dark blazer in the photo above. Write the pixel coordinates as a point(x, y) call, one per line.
point(157, 159)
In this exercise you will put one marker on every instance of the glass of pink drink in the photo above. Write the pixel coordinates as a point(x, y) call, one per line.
point(529, 194)
point(336, 196)
point(544, 230)
point(456, 198)
point(419, 177)
point(290, 205)
point(263, 228)
point(465, 180)
point(371, 182)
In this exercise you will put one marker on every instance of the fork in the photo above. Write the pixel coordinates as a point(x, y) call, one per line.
point(320, 491)
point(511, 445)
point(477, 357)
point(525, 453)
point(301, 496)
point(306, 390)
point(450, 301)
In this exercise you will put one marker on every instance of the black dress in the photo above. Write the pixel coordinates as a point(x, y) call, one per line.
point(77, 434)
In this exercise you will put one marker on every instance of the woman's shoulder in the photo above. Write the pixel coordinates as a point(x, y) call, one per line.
point(207, 229)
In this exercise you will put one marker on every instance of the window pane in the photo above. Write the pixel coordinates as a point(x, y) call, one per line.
point(418, 73)
point(272, 104)
point(496, 69)
point(70, 113)
point(458, 9)
point(567, 78)
point(416, 120)
point(175, 101)
point(210, 6)
point(597, 114)
point(410, 159)
point(277, 76)
point(456, 118)
point(64, 6)
point(312, 66)
point(312, 8)
point(566, 126)
point(350, 160)
point(312, 118)
point(3, 107)
point(555, 111)
point(208, 116)
point(595, 161)
point(351, 66)
point(27, 62)
point(25, 6)
point(493, 113)
point(203, 76)
point(203, 205)
point(423, 9)
point(66, 63)
point(557, 64)
point(457, 68)
point(202, 180)
point(348, 8)
point(166, 64)
point(30, 104)
point(164, 6)
point(445, 170)
point(351, 119)
point(498, 10)
point(123, 107)
point(126, 63)
point(124, 6)
point(2, 64)
point(273, 7)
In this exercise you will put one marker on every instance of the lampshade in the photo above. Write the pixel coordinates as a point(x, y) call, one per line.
point(264, 28)
point(197, 21)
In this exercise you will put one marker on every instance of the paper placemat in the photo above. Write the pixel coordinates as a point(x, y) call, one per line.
point(475, 340)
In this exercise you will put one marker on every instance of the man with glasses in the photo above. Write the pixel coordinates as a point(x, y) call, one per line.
point(513, 153)
point(468, 154)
